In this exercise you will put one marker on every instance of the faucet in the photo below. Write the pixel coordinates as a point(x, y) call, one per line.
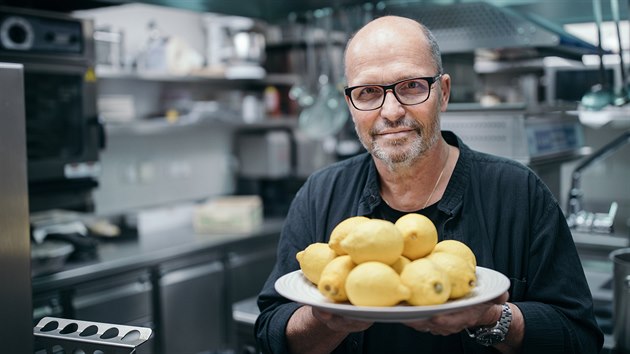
point(577, 217)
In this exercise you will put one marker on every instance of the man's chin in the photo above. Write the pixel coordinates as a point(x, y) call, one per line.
point(393, 155)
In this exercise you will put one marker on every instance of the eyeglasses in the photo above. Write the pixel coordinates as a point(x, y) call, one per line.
point(408, 92)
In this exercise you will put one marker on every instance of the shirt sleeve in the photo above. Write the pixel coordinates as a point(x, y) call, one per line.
point(557, 306)
point(275, 310)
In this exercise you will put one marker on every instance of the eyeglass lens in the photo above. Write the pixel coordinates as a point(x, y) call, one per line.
point(407, 92)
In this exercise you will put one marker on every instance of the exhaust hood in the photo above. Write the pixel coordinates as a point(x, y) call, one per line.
point(467, 27)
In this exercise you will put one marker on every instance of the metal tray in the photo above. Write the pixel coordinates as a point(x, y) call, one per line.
point(73, 336)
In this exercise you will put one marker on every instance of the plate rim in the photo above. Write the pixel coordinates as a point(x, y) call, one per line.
point(402, 312)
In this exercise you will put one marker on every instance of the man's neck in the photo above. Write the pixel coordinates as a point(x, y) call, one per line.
point(408, 187)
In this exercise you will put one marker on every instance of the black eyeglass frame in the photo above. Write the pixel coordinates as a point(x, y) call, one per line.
point(429, 79)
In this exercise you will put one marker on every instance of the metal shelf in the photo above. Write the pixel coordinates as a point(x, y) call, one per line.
point(216, 76)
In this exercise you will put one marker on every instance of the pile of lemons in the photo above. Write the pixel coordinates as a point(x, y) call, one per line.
point(374, 262)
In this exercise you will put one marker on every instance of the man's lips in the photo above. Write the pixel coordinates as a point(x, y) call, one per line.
point(394, 134)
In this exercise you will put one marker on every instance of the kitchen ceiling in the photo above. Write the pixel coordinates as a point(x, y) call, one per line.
point(557, 11)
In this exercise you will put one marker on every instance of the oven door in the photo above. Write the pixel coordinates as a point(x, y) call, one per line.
point(63, 132)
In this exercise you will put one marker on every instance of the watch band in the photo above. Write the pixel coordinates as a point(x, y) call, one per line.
point(496, 334)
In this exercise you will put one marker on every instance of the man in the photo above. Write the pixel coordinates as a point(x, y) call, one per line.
point(499, 208)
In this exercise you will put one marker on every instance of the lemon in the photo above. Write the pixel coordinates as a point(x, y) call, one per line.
point(460, 272)
point(419, 233)
point(374, 240)
point(428, 283)
point(332, 283)
point(342, 230)
point(457, 248)
point(400, 264)
point(375, 284)
point(313, 259)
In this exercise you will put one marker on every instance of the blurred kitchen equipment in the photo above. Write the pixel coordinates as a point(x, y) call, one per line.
point(110, 48)
point(253, 109)
point(15, 262)
point(600, 95)
point(64, 135)
point(301, 91)
point(329, 112)
point(49, 256)
point(541, 140)
point(579, 218)
point(153, 55)
point(265, 154)
point(621, 299)
point(463, 27)
point(621, 96)
point(567, 80)
point(235, 44)
point(52, 231)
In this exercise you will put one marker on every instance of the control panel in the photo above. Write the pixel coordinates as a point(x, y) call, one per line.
point(36, 34)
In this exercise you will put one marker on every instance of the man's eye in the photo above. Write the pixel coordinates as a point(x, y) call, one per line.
point(413, 86)
point(369, 91)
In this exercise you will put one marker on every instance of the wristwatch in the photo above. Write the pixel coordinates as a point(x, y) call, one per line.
point(489, 336)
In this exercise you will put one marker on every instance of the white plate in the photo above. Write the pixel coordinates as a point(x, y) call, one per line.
point(294, 286)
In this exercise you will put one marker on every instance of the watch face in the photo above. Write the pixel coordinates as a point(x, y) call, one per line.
point(491, 337)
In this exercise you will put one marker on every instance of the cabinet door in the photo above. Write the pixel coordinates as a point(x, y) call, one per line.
point(192, 308)
point(248, 272)
point(124, 299)
point(248, 266)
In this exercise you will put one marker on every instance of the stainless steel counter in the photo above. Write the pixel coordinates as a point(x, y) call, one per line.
point(114, 256)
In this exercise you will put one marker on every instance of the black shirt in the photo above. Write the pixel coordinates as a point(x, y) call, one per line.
point(498, 207)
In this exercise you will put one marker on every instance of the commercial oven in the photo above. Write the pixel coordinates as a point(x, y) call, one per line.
point(63, 133)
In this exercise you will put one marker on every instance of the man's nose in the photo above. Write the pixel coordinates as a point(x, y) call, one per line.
point(392, 109)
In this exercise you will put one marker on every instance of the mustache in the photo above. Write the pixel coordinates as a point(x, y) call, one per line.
point(385, 124)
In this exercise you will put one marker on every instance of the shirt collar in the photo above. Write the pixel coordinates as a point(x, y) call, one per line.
point(453, 196)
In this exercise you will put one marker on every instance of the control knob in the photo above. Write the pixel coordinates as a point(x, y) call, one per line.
point(16, 33)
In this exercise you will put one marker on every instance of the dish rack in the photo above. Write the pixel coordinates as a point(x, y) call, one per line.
point(54, 335)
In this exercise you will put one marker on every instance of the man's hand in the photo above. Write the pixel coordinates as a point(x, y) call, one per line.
point(339, 323)
point(484, 314)
point(312, 331)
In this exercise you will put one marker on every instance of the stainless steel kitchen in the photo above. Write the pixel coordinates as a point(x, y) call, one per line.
point(152, 151)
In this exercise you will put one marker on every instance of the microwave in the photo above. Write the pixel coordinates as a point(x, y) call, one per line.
point(63, 132)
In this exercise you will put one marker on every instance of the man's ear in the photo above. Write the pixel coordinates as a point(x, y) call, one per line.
point(445, 87)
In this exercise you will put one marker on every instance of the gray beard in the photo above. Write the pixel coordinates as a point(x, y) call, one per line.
point(426, 137)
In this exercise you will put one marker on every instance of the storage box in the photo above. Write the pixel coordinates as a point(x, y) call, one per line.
point(228, 214)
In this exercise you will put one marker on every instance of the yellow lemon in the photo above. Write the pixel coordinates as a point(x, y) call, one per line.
point(313, 259)
point(460, 272)
point(400, 264)
point(332, 282)
point(374, 240)
point(419, 233)
point(457, 248)
point(342, 230)
point(375, 284)
point(428, 283)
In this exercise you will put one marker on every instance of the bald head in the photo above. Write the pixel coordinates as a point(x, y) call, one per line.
point(387, 36)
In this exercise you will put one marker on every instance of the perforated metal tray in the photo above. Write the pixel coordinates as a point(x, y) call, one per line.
point(53, 334)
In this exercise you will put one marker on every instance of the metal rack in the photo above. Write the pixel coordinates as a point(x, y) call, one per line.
point(52, 335)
